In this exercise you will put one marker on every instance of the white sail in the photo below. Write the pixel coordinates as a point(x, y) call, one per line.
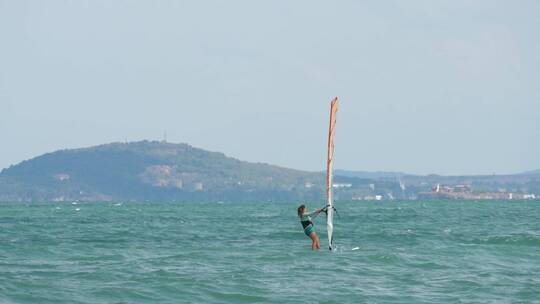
point(329, 172)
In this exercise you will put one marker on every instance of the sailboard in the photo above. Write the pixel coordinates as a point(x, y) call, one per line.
point(329, 172)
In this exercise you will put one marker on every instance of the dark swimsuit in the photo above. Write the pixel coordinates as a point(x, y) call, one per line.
point(307, 224)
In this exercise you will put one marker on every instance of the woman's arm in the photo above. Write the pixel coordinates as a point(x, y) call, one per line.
point(316, 212)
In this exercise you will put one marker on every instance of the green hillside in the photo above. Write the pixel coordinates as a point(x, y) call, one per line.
point(150, 170)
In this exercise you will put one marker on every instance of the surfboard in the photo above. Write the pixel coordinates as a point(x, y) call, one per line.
point(329, 172)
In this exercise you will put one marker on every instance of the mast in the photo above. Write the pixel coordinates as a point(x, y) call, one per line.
point(329, 171)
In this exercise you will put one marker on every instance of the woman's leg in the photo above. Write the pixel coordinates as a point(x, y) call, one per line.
point(315, 241)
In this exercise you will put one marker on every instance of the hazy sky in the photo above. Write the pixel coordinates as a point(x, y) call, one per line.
point(448, 87)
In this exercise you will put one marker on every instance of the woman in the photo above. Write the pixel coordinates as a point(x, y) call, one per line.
point(305, 219)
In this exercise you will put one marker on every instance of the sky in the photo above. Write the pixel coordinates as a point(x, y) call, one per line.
point(445, 87)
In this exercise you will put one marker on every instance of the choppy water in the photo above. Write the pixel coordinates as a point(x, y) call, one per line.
point(409, 252)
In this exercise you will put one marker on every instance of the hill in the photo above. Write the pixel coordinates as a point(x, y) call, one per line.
point(533, 172)
point(151, 170)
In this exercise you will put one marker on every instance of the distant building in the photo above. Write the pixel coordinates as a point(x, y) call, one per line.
point(341, 185)
point(451, 189)
point(198, 186)
point(179, 184)
point(461, 188)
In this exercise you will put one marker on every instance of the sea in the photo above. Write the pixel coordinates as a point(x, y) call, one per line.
point(256, 252)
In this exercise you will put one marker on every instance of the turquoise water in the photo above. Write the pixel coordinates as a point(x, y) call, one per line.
point(409, 252)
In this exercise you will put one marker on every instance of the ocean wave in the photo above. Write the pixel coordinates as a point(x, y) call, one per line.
point(514, 239)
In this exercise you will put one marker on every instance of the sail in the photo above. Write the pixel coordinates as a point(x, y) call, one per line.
point(329, 171)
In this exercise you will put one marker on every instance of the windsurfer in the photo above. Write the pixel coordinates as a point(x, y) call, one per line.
point(307, 224)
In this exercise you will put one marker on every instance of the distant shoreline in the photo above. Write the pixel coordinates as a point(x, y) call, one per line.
point(158, 170)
